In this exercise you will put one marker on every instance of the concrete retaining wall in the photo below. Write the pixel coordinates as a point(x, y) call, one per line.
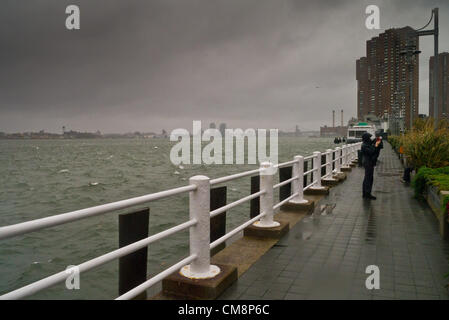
point(435, 200)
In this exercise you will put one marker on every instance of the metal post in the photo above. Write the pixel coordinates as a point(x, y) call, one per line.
point(285, 191)
point(435, 68)
point(254, 205)
point(298, 184)
point(199, 206)
point(266, 200)
point(132, 268)
point(411, 99)
point(317, 170)
point(337, 158)
point(329, 163)
point(218, 223)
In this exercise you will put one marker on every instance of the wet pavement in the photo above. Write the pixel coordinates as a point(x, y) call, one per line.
point(326, 254)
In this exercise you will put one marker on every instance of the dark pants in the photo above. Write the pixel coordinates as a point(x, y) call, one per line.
point(407, 172)
point(368, 180)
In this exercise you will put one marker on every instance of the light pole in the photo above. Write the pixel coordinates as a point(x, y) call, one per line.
point(434, 32)
point(410, 51)
point(396, 119)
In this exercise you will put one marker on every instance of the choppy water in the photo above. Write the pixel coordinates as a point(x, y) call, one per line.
point(40, 178)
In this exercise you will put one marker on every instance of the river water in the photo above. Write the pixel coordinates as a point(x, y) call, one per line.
point(41, 178)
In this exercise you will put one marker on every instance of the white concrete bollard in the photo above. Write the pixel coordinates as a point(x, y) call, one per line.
point(338, 158)
point(298, 184)
point(266, 199)
point(329, 163)
point(317, 170)
point(345, 154)
point(199, 205)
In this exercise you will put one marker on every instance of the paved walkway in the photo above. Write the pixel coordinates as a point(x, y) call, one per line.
point(325, 256)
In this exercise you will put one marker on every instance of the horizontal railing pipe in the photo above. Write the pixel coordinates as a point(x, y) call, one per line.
point(234, 176)
point(283, 183)
point(310, 185)
point(150, 282)
point(285, 201)
point(38, 224)
point(284, 164)
point(93, 263)
point(309, 171)
point(235, 231)
point(236, 203)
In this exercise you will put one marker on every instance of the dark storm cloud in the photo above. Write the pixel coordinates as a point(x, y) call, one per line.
point(148, 65)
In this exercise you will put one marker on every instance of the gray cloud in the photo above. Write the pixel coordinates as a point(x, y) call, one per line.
point(148, 65)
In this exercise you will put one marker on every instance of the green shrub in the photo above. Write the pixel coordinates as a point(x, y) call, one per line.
point(395, 142)
point(425, 145)
point(438, 177)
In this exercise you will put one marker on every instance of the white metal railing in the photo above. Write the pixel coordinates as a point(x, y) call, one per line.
point(198, 260)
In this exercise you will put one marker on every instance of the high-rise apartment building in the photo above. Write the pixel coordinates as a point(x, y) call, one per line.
point(387, 78)
point(443, 86)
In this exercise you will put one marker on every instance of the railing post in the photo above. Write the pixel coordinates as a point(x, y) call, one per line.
point(298, 184)
point(266, 199)
point(345, 155)
point(337, 160)
point(329, 163)
point(199, 206)
point(348, 155)
point(317, 170)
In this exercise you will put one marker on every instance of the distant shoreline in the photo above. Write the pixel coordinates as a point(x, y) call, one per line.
point(91, 136)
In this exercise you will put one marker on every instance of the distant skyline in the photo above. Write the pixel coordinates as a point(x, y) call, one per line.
point(148, 65)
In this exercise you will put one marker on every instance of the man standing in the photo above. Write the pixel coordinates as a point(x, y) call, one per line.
point(369, 158)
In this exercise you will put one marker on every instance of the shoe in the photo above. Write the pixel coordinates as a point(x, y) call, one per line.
point(371, 197)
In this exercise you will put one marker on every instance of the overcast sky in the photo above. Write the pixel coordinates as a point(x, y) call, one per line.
point(152, 64)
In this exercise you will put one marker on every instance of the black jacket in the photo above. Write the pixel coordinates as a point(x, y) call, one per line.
point(369, 151)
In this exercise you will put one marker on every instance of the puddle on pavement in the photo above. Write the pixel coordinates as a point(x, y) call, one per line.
point(306, 230)
point(327, 208)
point(308, 223)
